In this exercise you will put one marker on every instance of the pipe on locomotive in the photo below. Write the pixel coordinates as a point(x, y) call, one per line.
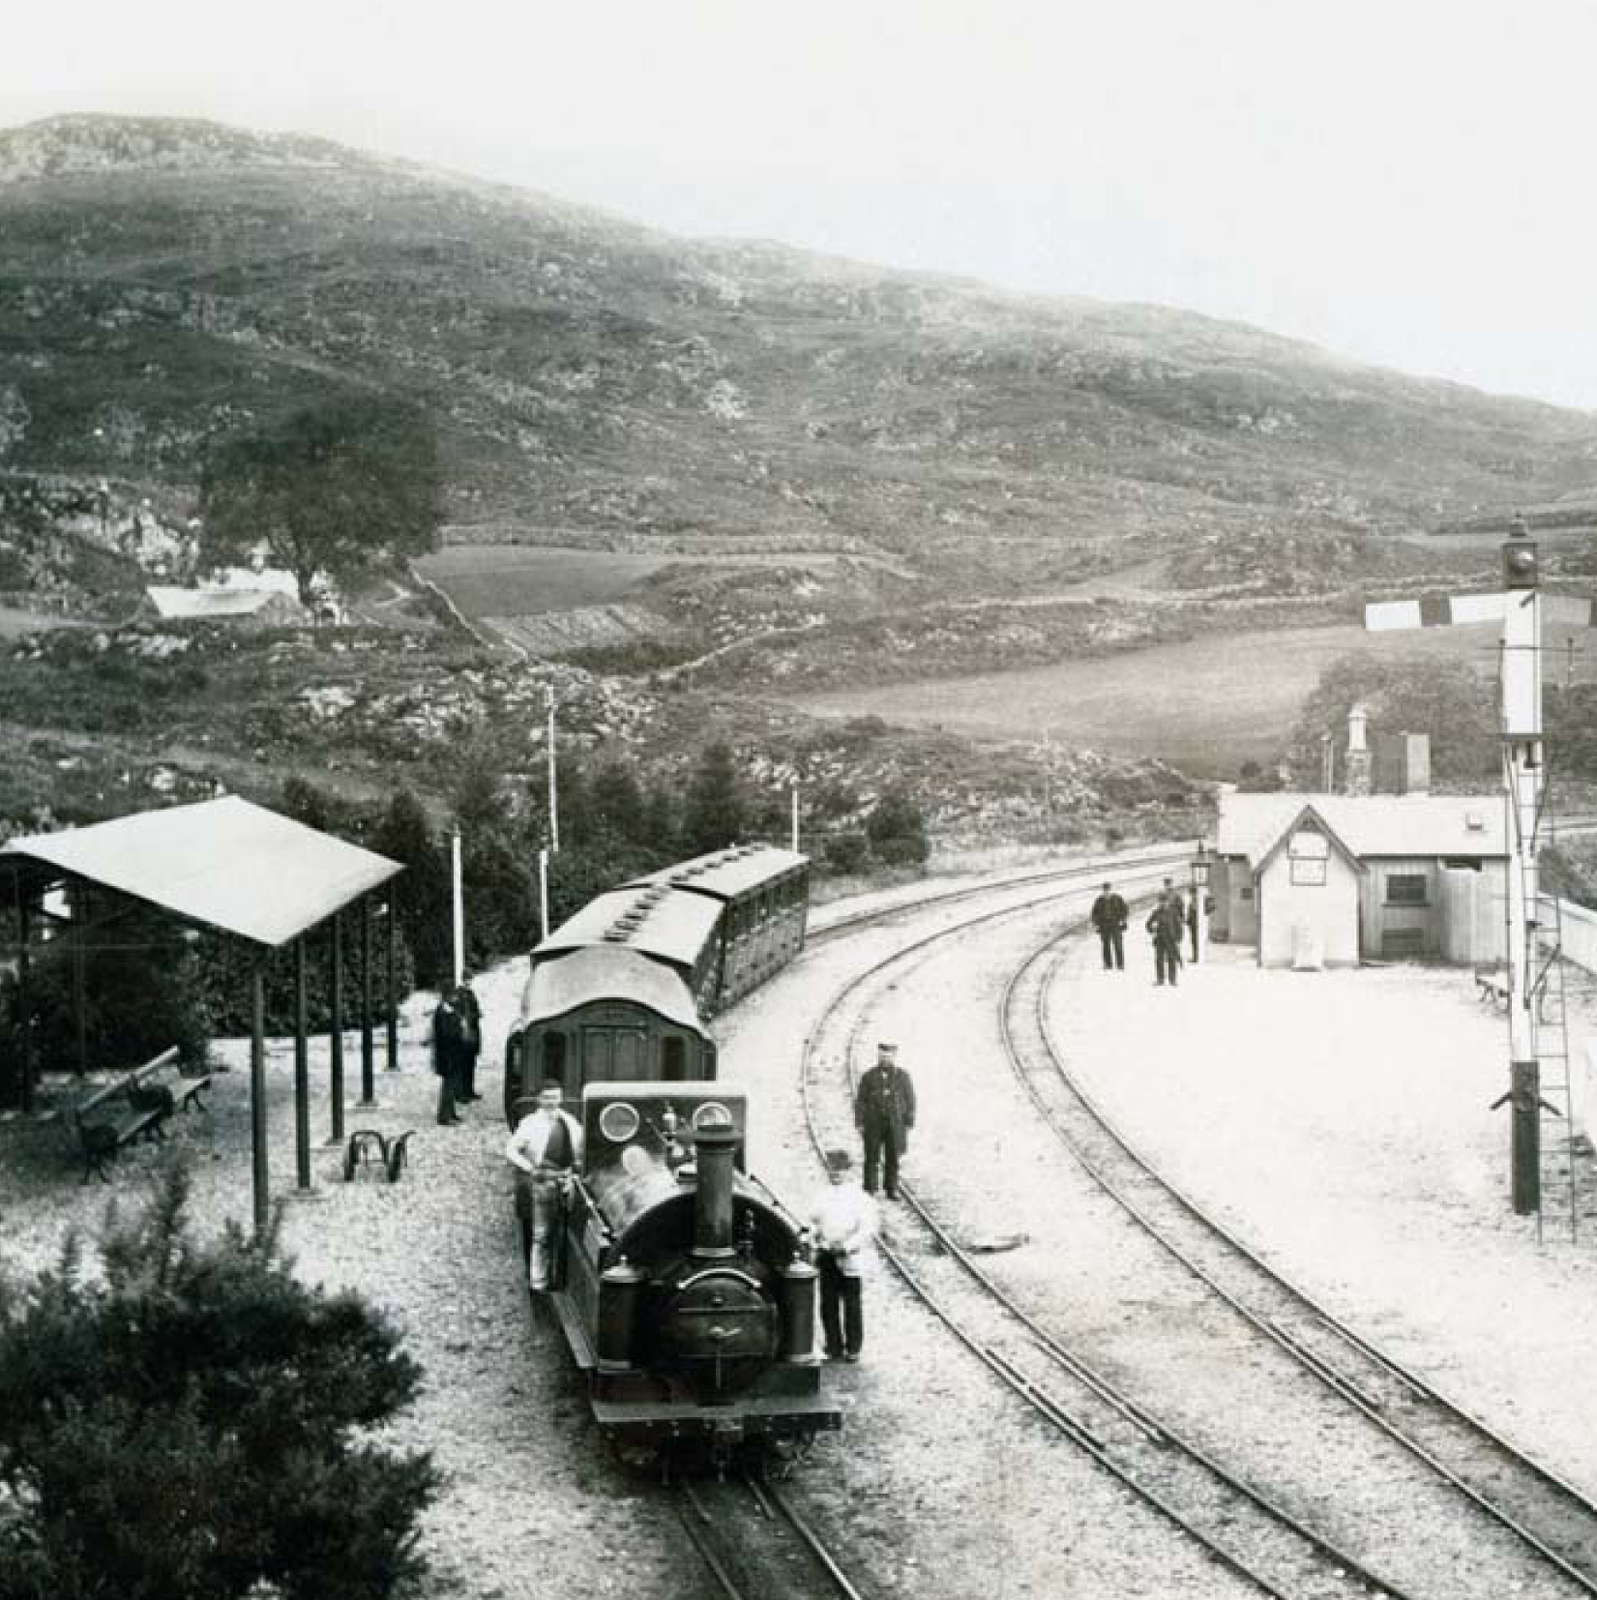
point(715, 1151)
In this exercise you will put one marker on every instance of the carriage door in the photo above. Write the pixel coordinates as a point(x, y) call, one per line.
point(611, 1053)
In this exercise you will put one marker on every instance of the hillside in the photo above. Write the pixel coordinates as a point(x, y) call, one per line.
point(721, 465)
point(166, 283)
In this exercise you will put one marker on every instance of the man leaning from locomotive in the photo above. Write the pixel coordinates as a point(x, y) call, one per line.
point(884, 1112)
point(544, 1150)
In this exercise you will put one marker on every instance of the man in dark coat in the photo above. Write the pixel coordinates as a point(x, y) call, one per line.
point(449, 1048)
point(884, 1112)
point(470, 1036)
point(1109, 918)
point(1165, 925)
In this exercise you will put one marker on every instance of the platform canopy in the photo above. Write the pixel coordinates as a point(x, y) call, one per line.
point(224, 864)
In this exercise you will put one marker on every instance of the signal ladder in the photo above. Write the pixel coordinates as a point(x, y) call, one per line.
point(1549, 1022)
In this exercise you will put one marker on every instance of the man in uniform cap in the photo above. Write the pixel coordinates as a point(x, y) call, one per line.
point(1109, 918)
point(884, 1112)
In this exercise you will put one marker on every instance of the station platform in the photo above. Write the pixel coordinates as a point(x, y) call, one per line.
point(1340, 1121)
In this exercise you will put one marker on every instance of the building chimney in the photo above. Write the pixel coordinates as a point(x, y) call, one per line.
point(1358, 751)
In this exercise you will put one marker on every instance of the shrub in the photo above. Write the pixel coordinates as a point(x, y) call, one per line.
point(188, 1421)
point(847, 852)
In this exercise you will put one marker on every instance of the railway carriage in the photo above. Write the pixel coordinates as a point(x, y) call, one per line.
point(623, 989)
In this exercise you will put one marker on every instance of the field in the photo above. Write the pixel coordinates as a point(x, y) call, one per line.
point(1206, 704)
point(509, 580)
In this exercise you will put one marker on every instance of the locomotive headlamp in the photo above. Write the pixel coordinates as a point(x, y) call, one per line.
point(712, 1115)
point(1519, 558)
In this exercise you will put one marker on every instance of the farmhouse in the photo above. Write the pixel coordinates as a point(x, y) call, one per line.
point(257, 608)
point(1312, 879)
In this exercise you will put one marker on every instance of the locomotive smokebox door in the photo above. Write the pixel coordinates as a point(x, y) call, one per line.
point(720, 1332)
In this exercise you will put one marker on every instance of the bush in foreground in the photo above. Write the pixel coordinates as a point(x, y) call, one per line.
point(189, 1422)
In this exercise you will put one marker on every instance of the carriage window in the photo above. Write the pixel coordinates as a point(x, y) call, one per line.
point(554, 1056)
point(673, 1060)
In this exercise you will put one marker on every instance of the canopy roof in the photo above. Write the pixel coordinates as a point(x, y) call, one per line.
point(223, 863)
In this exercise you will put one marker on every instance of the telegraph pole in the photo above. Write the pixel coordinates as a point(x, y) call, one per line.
point(554, 802)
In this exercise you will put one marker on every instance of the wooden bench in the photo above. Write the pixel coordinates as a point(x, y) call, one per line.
point(131, 1107)
point(1492, 986)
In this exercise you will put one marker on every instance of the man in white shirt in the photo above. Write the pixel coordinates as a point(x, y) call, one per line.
point(545, 1148)
point(843, 1220)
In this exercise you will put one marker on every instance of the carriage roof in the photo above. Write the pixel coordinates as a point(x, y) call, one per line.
point(653, 919)
point(562, 983)
point(728, 873)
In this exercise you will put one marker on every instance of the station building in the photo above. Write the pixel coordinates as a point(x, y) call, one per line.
point(1317, 879)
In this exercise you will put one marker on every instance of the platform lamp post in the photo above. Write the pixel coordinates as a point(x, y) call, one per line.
point(1200, 898)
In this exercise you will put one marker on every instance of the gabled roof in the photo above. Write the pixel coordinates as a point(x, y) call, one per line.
point(1310, 814)
point(657, 920)
point(606, 972)
point(223, 863)
point(1369, 825)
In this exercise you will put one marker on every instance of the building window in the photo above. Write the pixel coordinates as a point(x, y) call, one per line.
point(1245, 892)
point(1407, 889)
point(1308, 872)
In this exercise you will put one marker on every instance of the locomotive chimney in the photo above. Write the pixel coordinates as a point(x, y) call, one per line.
point(715, 1149)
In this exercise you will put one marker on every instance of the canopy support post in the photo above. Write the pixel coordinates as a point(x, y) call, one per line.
point(335, 1032)
point(368, 1094)
point(258, 1092)
point(391, 1008)
point(24, 1010)
point(302, 1078)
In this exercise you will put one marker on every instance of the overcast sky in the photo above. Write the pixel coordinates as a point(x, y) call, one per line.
point(1412, 186)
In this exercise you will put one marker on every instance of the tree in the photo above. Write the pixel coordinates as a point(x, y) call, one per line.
point(421, 894)
point(896, 830)
point(713, 813)
point(191, 1422)
point(1449, 700)
point(346, 487)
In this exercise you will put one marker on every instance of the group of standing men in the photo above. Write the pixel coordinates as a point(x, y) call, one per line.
point(1165, 924)
point(457, 1042)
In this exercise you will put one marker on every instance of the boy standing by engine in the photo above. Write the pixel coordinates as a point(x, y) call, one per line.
point(844, 1220)
point(544, 1150)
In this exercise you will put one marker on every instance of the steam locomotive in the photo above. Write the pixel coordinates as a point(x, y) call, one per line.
point(682, 1285)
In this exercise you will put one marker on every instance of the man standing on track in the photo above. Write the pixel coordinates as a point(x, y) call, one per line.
point(884, 1112)
point(1109, 918)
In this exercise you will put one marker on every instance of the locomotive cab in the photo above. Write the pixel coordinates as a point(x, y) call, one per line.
point(685, 1288)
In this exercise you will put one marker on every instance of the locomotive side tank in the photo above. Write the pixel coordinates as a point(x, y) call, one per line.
point(684, 1288)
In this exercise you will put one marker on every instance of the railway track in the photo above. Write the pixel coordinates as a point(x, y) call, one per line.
point(1540, 1509)
point(1256, 1539)
point(1242, 1528)
point(757, 1545)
